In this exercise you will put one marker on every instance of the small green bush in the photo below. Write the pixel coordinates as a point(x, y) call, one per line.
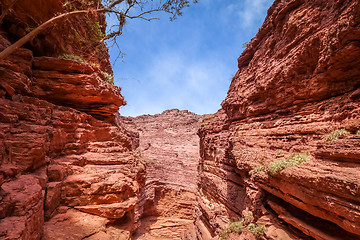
point(251, 226)
point(276, 166)
point(334, 135)
point(248, 218)
point(143, 159)
point(147, 160)
point(257, 230)
point(108, 77)
point(207, 119)
point(293, 160)
point(299, 158)
point(71, 57)
point(256, 170)
point(234, 227)
point(224, 233)
point(94, 32)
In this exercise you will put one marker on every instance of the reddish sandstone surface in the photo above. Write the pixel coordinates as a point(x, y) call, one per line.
point(76, 35)
point(59, 81)
point(169, 147)
point(64, 172)
point(63, 159)
point(298, 81)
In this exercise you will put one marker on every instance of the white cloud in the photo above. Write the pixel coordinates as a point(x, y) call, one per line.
point(186, 64)
point(249, 12)
point(252, 11)
point(179, 82)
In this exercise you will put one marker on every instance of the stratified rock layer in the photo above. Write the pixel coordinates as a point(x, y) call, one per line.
point(169, 147)
point(64, 173)
point(77, 85)
point(55, 156)
point(297, 85)
point(305, 52)
point(59, 81)
point(73, 36)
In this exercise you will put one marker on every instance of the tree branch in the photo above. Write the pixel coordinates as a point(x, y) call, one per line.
point(111, 35)
point(173, 7)
point(5, 53)
point(146, 12)
point(113, 4)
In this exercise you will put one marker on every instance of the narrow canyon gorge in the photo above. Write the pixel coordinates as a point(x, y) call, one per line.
point(279, 161)
point(169, 147)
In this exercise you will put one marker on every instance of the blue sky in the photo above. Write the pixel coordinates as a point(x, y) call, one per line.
point(188, 63)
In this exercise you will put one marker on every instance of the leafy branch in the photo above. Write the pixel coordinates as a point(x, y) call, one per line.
point(122, 9)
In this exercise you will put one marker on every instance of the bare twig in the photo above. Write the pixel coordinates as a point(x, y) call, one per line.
point(143, 13)
point(170, 6)
point(120, 55)
point(113, 4)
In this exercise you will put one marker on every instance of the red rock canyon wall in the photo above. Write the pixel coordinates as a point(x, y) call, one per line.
point(77, 35)
point(272, 149)
point(169, 146)
point(67, 166)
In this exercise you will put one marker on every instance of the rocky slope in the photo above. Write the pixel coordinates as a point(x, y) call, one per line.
point(284, 149)
point(67, 166)
point(169, 147)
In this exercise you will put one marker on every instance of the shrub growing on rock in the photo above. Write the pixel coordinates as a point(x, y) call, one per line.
point(257, 230)
point(71, 57)
point(234, 227)
point(256, 170)
point(293, 160)
point(334, 135)
point(108, 77)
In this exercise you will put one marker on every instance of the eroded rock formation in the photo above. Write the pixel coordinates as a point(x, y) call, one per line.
point(64, 159)
point(169, 147)
point(67, 166)
point(77, 35)
point(272, 149)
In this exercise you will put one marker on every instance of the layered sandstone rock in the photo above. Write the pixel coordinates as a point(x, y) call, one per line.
point(59, 81)
point(296, 87)
point(76, 35)
point(64, 172)
point(55, 156)
point(169, 147)
point(76, 85)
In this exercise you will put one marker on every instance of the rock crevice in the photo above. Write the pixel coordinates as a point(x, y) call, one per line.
point(169, 147)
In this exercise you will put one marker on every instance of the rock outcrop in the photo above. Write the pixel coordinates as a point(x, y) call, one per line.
point(76, 85)
point(169, 147)
point(284, 149)
point(67, 165)
point(76, 35)
point(60, 158)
